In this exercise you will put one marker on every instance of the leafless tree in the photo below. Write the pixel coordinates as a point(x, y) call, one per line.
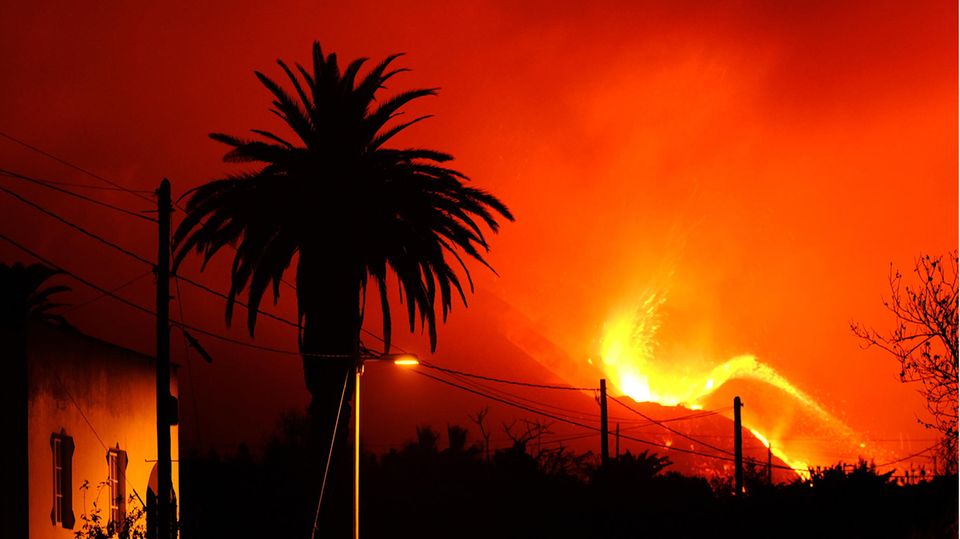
point(924, 341)
point(527, 432)
point(478, 419)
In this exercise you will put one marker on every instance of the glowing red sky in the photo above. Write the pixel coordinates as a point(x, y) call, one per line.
point(761, 162)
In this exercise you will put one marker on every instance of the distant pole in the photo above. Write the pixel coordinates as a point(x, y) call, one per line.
point(604, 443)
point(618, 442)
point(737, 447)
point(770, 465)
point(164, 466)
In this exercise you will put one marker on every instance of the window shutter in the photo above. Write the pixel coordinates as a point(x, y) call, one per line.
point(54, 452)
point(67, 447)
point(62, 448)
point(122, 481)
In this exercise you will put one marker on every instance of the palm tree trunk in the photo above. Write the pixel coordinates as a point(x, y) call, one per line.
point(329, 299)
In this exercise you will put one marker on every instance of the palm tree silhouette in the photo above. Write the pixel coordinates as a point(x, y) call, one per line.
point(24, 300)
point(348, 210)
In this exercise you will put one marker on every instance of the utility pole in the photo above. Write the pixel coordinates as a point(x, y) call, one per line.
point(164, 400)
point(737, 447)
point(604, 443)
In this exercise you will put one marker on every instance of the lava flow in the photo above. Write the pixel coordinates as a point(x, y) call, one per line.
point(631, 363)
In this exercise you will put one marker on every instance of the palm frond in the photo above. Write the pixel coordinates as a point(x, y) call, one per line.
point(357, 210)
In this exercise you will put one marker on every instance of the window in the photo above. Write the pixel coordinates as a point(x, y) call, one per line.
point(116, 479)
point(61, 448)
point(58, 479)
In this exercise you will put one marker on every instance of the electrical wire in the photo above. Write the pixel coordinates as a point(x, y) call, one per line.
point(908, 457)
point(95, 187)
point(35, 181)
point(145, 310)
point(564, 420)
point(101, 295)
point(593, 428)
point(137, 257)
point(566, 412)
point(505, 381)
point(77, 227)
point(49, 155)
point(660, 424)
point(687, 417)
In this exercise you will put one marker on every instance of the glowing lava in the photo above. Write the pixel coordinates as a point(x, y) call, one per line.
point(629, 346)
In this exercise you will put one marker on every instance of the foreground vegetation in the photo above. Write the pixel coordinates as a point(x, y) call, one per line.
point(424, 490)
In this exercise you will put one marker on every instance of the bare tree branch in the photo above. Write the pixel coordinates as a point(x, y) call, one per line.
point(924, 341)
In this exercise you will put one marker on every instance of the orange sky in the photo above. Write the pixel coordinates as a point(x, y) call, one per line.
point(761, 164)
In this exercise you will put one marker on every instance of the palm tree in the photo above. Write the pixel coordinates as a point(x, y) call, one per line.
point(24, 299)
point(348, 210)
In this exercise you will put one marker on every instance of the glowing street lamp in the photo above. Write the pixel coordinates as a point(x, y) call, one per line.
point(406, 360)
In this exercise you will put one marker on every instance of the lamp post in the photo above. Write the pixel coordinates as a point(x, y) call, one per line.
point(397, 359)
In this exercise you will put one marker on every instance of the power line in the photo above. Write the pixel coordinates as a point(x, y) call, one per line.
point(98, 288)
point(504, 381)
point(143, 309)
point(115, 186)
point(221, 295)
point(135, 256)
point(908, 457)
point(102, 295)
point(571, 414)
point(659, 423)
point(17, 175)
point(696, 415)
point(49, 155)
point(94, 187)
point(77, 227)
point(596, 429)
point(564, 420)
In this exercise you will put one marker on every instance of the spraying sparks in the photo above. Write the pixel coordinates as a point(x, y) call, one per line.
point(629, 360)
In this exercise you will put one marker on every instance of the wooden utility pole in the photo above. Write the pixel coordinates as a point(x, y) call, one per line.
point(604, 443)
point(737, 447)
point(164, 400)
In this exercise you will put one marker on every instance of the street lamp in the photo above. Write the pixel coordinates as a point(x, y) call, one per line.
point(407, 360)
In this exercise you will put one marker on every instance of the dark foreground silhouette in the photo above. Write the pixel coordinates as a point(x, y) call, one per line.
point(425, 490)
